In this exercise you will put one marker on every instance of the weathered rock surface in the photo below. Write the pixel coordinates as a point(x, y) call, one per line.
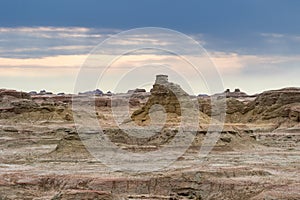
point(170, 97)
point(42, 156)
point(14, 93)
point(276, 108)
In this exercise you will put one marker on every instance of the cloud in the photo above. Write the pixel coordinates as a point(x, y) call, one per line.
point(226, 63)
point(280, 44)
point(233, 63)
point(41, 67)
point(45, 29)
point(63, 60)
point(279, 36)
point(34, 42)
point(51, 52)
point(272, 35)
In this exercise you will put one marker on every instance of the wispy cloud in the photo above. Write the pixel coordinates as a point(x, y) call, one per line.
point(281, 43)
point(62, 60)
point(272, 35)
point(60, 51)
point(280, 36)
point(34, 42)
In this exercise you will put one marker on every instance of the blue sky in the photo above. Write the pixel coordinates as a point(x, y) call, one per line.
point(218, 18)
point(260, 39)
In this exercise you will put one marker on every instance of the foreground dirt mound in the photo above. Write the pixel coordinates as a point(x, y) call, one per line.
point(230, 139)
point(69, 147)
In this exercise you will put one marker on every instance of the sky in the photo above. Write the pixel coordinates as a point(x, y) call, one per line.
point(254, 44)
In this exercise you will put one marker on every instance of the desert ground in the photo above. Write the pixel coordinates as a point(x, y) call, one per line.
point(256, 156)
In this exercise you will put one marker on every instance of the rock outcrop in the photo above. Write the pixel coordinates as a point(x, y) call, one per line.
point(137, 90)
point(278, 107)
point(14, 93)
point(237, 93)
point(96, 92)
point(165, 96)
point(275, 104)
point(20, 106)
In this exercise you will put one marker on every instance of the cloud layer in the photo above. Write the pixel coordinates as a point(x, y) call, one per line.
point(51, 52)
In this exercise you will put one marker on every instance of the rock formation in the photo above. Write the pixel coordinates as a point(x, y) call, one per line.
point(169, 96)
point(96, 92)
point(22, 106)
point(137, 90)
point(256, 156)
point(278, 108)
point(237, 93)
point(14, 93)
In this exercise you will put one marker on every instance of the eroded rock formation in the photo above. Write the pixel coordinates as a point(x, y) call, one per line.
point(256, 156)
point(166, 96)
